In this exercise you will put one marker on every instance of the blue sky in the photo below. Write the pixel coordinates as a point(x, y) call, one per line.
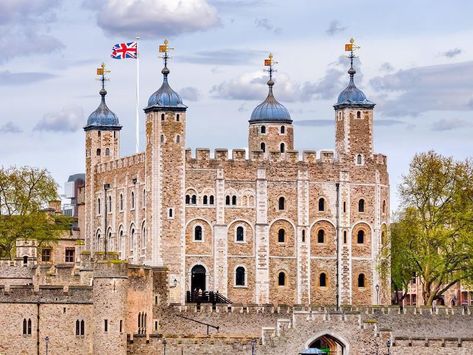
point(416, 64)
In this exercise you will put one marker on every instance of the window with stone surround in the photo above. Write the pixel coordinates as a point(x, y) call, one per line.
point(227, 200)
point(27, 326)
point(321, 236)
point(282, 148)
point(234, 200)
point(281, 203)
point(46, 254)
point(170, 213)
point(211, 200)
point(105, 325)
point(109, 204)
point(198, 235)
point(281, 236)
point(161, 139)
point(178, 138)
point(193, 200)
point(240, 234)
point(359, 159)
point(121, 202)
point(358, 114)
point(205, 200)
point(240, 276)
point(162, 117)
point(107, 152)
point(188, 199)
point(98, 152)
point(132, 240)
point(282, 279)
point(98, 206)
point(361, 280)
point(361, 205)
point(263, 129)
point(282, 130)
point(384, 206)
point(177, 117)
point(344, 237)
point(80, 327)
point(263, 147)
point(360, 237)
point(69, 255)
point(321, 204)
point(323, 280)
point(132, 200)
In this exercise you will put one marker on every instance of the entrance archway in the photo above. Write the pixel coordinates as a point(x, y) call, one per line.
point(198, 278)
point(329, 344)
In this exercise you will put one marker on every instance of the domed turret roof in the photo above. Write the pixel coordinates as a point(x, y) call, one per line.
point(351, 96)
point(102, 118)
point(165, 97)
point(270, 110)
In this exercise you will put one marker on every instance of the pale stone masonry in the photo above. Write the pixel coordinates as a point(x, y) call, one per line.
point(297, 227)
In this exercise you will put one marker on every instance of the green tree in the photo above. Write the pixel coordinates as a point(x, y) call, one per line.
point(433, 237)
point(24, 194)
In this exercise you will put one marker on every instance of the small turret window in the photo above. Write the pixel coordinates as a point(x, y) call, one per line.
point(281, 279)
point(162, 117)
point(282, 147)
point(323, 280)
point(359, 159)
point(177, 117)
point(358, 114)
point(99, 133)
point(263, 147)
point(281, 203)
point(98, 152)
point(178, 138)
point(282, 130)
point(263, 129)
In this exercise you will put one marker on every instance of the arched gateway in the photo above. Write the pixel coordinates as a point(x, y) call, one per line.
point(326, 343)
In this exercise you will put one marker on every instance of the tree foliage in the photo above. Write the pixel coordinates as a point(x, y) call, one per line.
point(433, 237)
point(24, 194)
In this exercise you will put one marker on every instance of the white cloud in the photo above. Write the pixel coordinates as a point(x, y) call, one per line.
point(335, 28)
point(190, 93)
point(68, 119)
point(154, 18)
point(10, 127)
point(449, 124)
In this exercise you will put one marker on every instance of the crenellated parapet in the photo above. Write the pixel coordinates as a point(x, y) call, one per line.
point(121, 163)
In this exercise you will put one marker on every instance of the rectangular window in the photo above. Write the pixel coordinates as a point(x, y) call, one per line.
point(121, 326)
point(70, 255)
point(105, 325)
point(46, 255)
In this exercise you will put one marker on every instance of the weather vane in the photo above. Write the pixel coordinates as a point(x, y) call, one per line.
point(101, 71)
point(269, 62)
point(351, 47)
point(164, 48)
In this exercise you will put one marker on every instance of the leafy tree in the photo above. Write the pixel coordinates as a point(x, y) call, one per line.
point(24, 193)
point(433, 237)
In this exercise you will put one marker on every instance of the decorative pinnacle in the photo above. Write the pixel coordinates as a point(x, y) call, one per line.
point(164, 48)
point(269, 62)
point(101, 71)
point(351, 47)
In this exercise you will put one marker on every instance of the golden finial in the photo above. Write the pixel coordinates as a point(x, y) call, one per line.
point(269, 62)
point(101, 71)
point(351, 47)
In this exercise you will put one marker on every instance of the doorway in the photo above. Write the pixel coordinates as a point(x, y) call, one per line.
point(198, 278)
point(329, 344)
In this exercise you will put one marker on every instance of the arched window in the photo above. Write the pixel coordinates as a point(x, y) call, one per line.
point(281, 279)
point(361, 205)
point(282, 147)
point(281, 236)
point(282, 129)
point(358, 114)
point(132, 239)
point(281, 203)
point(77, 327)
point(211, 200)
point(107, 151)
point(188, 199)
point(122, 245)
point(162, 117)
point(109, 203)
point(361, 236)
point(205, 200)
point(25, 327)
point(359, 159)
point(178, 138)
point(98, 152)
point(240, 234)
point(323, 280)
point(82, 327)
point(198, 234)
point(132, 200)
point(227, 200)
point(263, 129)
point(322, 204)
point(177, 117)
point(121, 202)
point(162, 138)
point(194, 199)
point(143, 236)
point(263, 147)
point(361, 280)
point(25, 260)
point(240, 276)
point(234, 200)
point(321, 236)
point(98, 206)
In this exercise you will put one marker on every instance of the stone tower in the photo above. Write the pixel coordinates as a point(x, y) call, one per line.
point(271, 128)
point(102, 144)
point(165, 174)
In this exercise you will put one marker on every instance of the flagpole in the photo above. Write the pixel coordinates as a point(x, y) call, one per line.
point(137, 96)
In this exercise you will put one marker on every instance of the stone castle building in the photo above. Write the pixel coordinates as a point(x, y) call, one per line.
point(267, 224)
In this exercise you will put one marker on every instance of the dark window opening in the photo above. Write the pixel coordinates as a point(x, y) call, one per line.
point(194, 200)
point(322, 204)
point(105, 325)
point(46, 254)
point(263, 147)
point(234, 200)
point(361, 280)
point(211, 200)
point(303, 236)
point(281, 279)
point(171, 213)
point(384, 206)
point(121, 326)
point(359, 159)
point(282, 147)
point(188, 199)
point(283, 129)
point(281, 203)
point(98, 151)
point(177, 117)
point(281, 235)
point(344, 207)
point(162, 117)
point(358, 114)
point(240, 234)
point(361, 237)
point(240, 276)
point(70, 255)
point(263, 129)
point(361, 205)
point(321, 236)
point(323, 280)
point(227, 200)
point(132, 200)
point(205, 200)
point(344, 237)
point(198, 233)
point(99, 133)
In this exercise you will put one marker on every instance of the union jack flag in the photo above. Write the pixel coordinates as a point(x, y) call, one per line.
point(125, 50)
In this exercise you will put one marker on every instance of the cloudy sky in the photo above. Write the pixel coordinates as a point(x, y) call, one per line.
point(415, 63)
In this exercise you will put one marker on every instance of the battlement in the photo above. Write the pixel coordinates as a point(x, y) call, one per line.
point(120, 163)
point(220, 155)
point(45, 294)
point(381, 159)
